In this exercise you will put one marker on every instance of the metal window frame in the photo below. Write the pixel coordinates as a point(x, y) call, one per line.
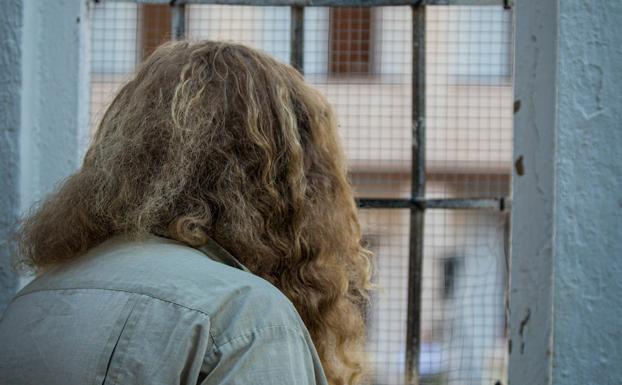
point(417, 203)
point(319, 3)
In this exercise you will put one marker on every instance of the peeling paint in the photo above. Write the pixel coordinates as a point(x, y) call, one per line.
point(589, 90)
point(524, 322)
point(519, 166)
point(532, 193)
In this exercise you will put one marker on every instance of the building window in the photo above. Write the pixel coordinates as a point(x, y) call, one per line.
point(155, 27)
point(350, 50)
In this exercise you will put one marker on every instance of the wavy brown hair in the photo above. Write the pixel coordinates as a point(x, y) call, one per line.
point(217, 139)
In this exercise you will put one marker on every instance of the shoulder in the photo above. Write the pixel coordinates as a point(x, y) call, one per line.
point(235, 301)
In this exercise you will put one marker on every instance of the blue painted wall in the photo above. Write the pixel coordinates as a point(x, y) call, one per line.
point(587, 334)
point(10, 111)
point(44, 97)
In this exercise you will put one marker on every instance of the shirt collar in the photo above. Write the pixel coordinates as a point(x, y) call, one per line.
point(215, 251)
point(211, 249)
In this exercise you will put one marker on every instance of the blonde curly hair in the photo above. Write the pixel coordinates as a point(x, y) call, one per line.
point(217, 139)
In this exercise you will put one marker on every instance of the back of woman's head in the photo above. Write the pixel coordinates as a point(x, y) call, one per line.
point(217, 139)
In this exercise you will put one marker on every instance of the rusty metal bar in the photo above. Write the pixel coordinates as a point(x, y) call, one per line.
point(384, 203)
point(178, 20)
point(417, 212)
point(297, 38)
point(500, 204)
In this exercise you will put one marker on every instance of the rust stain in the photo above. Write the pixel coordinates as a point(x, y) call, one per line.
point(519, 166)
point(524, 322)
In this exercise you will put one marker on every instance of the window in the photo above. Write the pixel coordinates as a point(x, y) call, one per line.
point(155, 27)
point(350, 49)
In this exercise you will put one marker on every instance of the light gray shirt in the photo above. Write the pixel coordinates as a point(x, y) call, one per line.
point(154, 312)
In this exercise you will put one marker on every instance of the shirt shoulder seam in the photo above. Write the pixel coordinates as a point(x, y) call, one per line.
point(259, 330)
point(119, 290)
point(211, 335)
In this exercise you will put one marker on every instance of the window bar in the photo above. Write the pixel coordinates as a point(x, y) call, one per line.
point(508, 4)
point(415, 248)
point(178, 19)
point(500, 204)
point(297, 38)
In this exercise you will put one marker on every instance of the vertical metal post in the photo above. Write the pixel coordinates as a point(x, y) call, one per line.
point(297, 37)
point(415, 261)
point(178, 20)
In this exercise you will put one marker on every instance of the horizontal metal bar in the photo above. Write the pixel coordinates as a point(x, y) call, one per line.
point(370, 203)
point(503, 3)
point(501, 204)
point(486, 203)
point(322, 3)
point(288, 3)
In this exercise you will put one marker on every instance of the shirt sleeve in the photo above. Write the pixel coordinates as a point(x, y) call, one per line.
point(277, 355)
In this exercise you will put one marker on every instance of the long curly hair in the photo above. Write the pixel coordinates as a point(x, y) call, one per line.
point(217, 139)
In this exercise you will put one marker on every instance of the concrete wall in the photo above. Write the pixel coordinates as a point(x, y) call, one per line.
point(55, 94)
point(587, 334)
point(43, 107)
point(531, 285)
point(566, 233)
point(10, 97)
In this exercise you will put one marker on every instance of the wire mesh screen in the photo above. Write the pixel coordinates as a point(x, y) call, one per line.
point(468, 149)
point(387, 233)
point(122, 34)
point(361, 59)
point(463, 319)
point(468, 101)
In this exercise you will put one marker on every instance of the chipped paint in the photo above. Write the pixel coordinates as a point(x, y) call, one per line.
point(530, 295)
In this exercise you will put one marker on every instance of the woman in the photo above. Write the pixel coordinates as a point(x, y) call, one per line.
point(212, 153)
